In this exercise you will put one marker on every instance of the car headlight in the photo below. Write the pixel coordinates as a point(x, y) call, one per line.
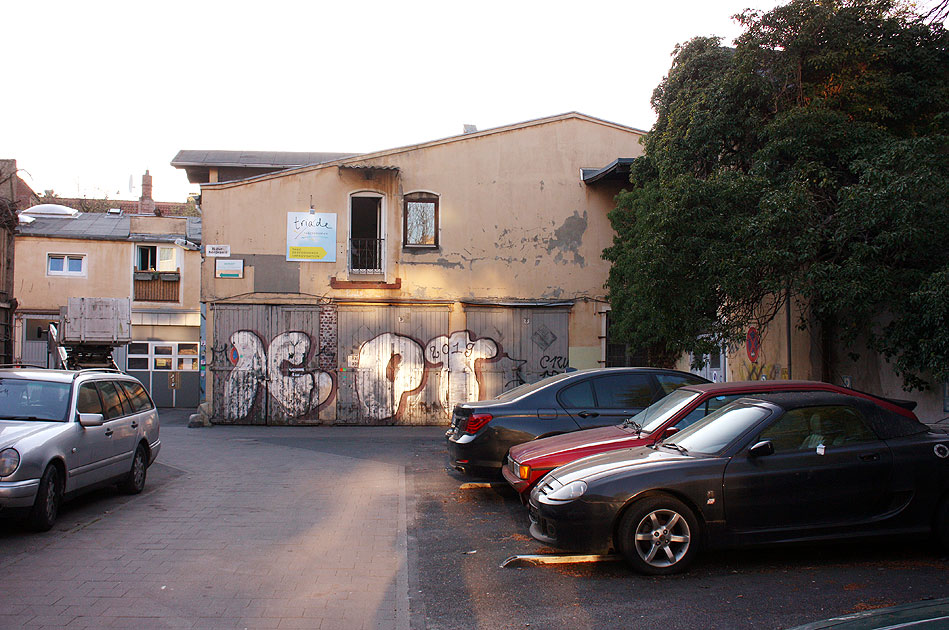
point(9, 460)
point(567, 493)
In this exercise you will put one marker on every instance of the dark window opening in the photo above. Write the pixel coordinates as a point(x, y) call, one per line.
point(366, 243)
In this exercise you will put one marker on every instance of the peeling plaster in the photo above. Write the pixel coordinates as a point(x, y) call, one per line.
point(568, 238)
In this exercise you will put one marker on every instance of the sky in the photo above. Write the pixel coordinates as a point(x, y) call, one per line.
point(103, 91)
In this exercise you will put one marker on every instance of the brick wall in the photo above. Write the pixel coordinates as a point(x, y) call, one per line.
point(329, 325)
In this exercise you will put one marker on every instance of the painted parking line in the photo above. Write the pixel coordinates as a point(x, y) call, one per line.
point(542, 559)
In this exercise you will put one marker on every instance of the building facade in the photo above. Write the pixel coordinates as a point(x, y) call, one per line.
point(385, 288)
point(153, 260)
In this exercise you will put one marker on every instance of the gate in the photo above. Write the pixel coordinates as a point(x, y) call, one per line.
point(531, 344)
point(386, 374)
point(265, 365)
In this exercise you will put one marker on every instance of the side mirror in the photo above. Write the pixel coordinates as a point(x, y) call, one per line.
point(669, 431)
point(761, 449)
point(91, 419)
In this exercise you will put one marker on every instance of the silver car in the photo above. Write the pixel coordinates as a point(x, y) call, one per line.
point(63, 432)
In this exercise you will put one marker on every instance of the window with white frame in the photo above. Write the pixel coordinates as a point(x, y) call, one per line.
point(65, 264)
point(420, 220)
point(163, 356)
point(156, 258)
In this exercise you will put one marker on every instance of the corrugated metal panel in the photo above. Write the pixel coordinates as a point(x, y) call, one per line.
point(384, 376)
point(529, 344)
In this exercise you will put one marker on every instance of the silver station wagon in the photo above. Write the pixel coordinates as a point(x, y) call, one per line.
point(63, 432)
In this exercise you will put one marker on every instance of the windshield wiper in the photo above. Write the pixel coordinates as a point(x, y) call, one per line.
point(681, 449)
point(629, 422)
point(26, 418)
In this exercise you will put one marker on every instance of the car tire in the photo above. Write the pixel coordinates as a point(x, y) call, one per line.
point(49, 497)
point(134, 481)
point(941, 525)
point(658, 535)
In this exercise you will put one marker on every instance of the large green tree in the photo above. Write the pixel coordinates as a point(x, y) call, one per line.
point(810, 160)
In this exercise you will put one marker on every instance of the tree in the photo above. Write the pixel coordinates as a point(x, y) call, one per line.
point(809, 161)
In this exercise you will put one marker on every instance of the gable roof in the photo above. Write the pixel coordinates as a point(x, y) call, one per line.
point(357, 159)
point(101, 226)
point(254, 159)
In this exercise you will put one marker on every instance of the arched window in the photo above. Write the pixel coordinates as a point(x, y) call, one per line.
point(420, 220)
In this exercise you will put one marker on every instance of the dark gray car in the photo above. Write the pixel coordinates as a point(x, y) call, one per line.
point(482, 432)
point(63, 432)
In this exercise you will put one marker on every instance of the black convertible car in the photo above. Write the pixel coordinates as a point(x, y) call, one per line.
point(773, 468)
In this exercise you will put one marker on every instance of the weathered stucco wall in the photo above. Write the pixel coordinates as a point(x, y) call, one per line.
point(108, 271)
point(516, 223)
point(515, 219)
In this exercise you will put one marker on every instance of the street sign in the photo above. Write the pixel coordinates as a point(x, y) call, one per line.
point(753, 344)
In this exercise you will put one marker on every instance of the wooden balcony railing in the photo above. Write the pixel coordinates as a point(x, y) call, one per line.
point(156, 286)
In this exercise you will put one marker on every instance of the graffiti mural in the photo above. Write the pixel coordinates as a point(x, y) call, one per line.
point(250, 370)
point(457, 354)
point(393, 370)
point(281, 369)
point(389, 366)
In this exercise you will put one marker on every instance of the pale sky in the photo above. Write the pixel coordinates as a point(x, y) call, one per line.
point(96, 92)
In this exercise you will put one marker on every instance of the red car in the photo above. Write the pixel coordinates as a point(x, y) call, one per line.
point(527, 463)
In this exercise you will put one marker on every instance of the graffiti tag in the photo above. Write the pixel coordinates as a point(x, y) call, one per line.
point(281, 368)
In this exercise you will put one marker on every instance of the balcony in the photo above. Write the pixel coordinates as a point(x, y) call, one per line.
point(366, 255)
point(156, 286)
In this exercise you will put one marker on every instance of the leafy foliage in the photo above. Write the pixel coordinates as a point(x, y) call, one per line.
point(810, 160)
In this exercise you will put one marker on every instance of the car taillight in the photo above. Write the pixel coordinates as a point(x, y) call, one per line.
point(476, 421)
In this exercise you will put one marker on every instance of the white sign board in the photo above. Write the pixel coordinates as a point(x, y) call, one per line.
point(229, 268)
point(217, 250)
point(311, 236)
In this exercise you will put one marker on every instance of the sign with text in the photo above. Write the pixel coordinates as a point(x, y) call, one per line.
point(311, 237)
point(217, 250)
point(229, 268)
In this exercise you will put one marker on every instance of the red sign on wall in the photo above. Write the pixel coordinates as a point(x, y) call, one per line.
point(753, 344)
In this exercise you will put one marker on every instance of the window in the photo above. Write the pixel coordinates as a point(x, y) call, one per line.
point(112, 400)
point(163, 355)
point(420, 220)
point(155, 258)
point(672, 382)
point(807, 428)
point(137, 396)
point(366, 242)
point(577, 396)
point(88, 401)
point(626, 391)
point(66, 265)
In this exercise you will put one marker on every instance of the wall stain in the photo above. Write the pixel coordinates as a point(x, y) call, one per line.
point(568, 238)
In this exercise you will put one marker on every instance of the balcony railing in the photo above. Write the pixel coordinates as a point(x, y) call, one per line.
point(365, 255)
point(156, 286)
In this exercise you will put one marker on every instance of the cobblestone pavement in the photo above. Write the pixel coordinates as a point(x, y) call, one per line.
point(237, 528)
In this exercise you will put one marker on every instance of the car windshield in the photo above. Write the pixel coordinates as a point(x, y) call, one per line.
point(22, 399)
point(713, 433)
point(656, 414)
point(527, 388)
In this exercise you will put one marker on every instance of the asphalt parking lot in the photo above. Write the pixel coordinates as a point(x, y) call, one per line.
point(359, 527)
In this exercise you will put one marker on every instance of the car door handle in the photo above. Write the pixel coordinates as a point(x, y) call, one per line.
point(134, 424)
point(588, 414)
point(870, 457)
point(108, 433)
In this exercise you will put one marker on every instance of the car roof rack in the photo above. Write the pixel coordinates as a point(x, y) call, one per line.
point(24, 365)
point(79, 373)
